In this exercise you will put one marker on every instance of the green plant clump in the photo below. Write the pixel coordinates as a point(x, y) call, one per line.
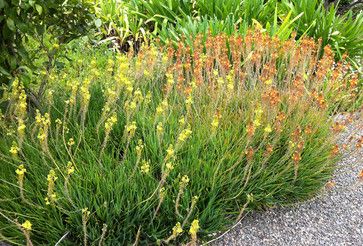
point(168, 146)
point(172, 20)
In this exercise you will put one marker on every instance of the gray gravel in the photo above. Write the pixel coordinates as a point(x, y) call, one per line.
point(333, 218)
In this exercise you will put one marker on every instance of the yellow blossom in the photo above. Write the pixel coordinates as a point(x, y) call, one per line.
point(182, 121)
point(27, 225)
point(159, 128)
point(41, 136)
point(215, 122)
point(268, 129)
point(145, 167)
point(85, 212)
point(220, 81)
point(169, 79)
point(184, 181)
point(14, 149)
point(71, 142)
point(177, 229)
point(58, 121)
point(169, 166)
point(21, 126)
point(256, 122)
point(70, 168)
point(268, 81)
point(20, 171)
point(139, 147)
point(194, 229)
point(131, 128)
point(170, 152)
point(52, 176)
point(110, 122)
point(189, 101)
point(184, 135)
point(47, 202)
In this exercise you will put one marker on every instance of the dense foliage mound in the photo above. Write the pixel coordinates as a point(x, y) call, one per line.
point(169, 146)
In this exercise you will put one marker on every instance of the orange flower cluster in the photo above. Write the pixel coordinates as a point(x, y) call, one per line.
point(290, 69)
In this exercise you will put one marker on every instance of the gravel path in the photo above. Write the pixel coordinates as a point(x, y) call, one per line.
point(334, 218)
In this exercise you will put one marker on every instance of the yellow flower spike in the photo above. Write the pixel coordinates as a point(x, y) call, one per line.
point(131, 129)
point(20, 171)
point(70, 168)
point(47, 202)
point(258, 111)
point(170, 152)
point(85, 212)
point(184, 135)
point(58, 121)
point(182, 121)
point(110, 122)
point(145, 167)
point(139, 147)
point(215, 72)
point(184, 181)
point(138, 95)
point(256, 122)
point(268, 129)
point(71, 142)
point(164, 59)
point(14, 149)
point(53, 196)
point(220, 81)
point(215, 122)
point(194, 228)
point(159, 128)
point(38, 117)
point(146, 73)
point(159, 110)
point(21, 127)
point(41, 135)
point(189, 101)
point(52, 177)
point(177, 229)
point(169, 79)
point(169, 166)
point(27, 225)
point(268, 81)
point(148, 97)
point(46, 119)
point(129, 89)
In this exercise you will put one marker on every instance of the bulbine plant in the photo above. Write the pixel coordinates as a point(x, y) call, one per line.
point(170, 146)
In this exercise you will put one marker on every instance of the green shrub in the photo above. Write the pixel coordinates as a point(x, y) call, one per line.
point(20, 20)
point(168, 146)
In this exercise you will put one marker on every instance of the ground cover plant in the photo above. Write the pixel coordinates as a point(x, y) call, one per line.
point(170, 145)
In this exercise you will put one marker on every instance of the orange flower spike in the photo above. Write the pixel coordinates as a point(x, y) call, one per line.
point(308, 130)
point(329, 184)
point(338, 127)
point(249, 153)
point(269, 150)
point(335, 150)
point(296, 157)
point(359, 143)
point(300, 145)
point(360, 175)
point(250, 129)
point(188, 90)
